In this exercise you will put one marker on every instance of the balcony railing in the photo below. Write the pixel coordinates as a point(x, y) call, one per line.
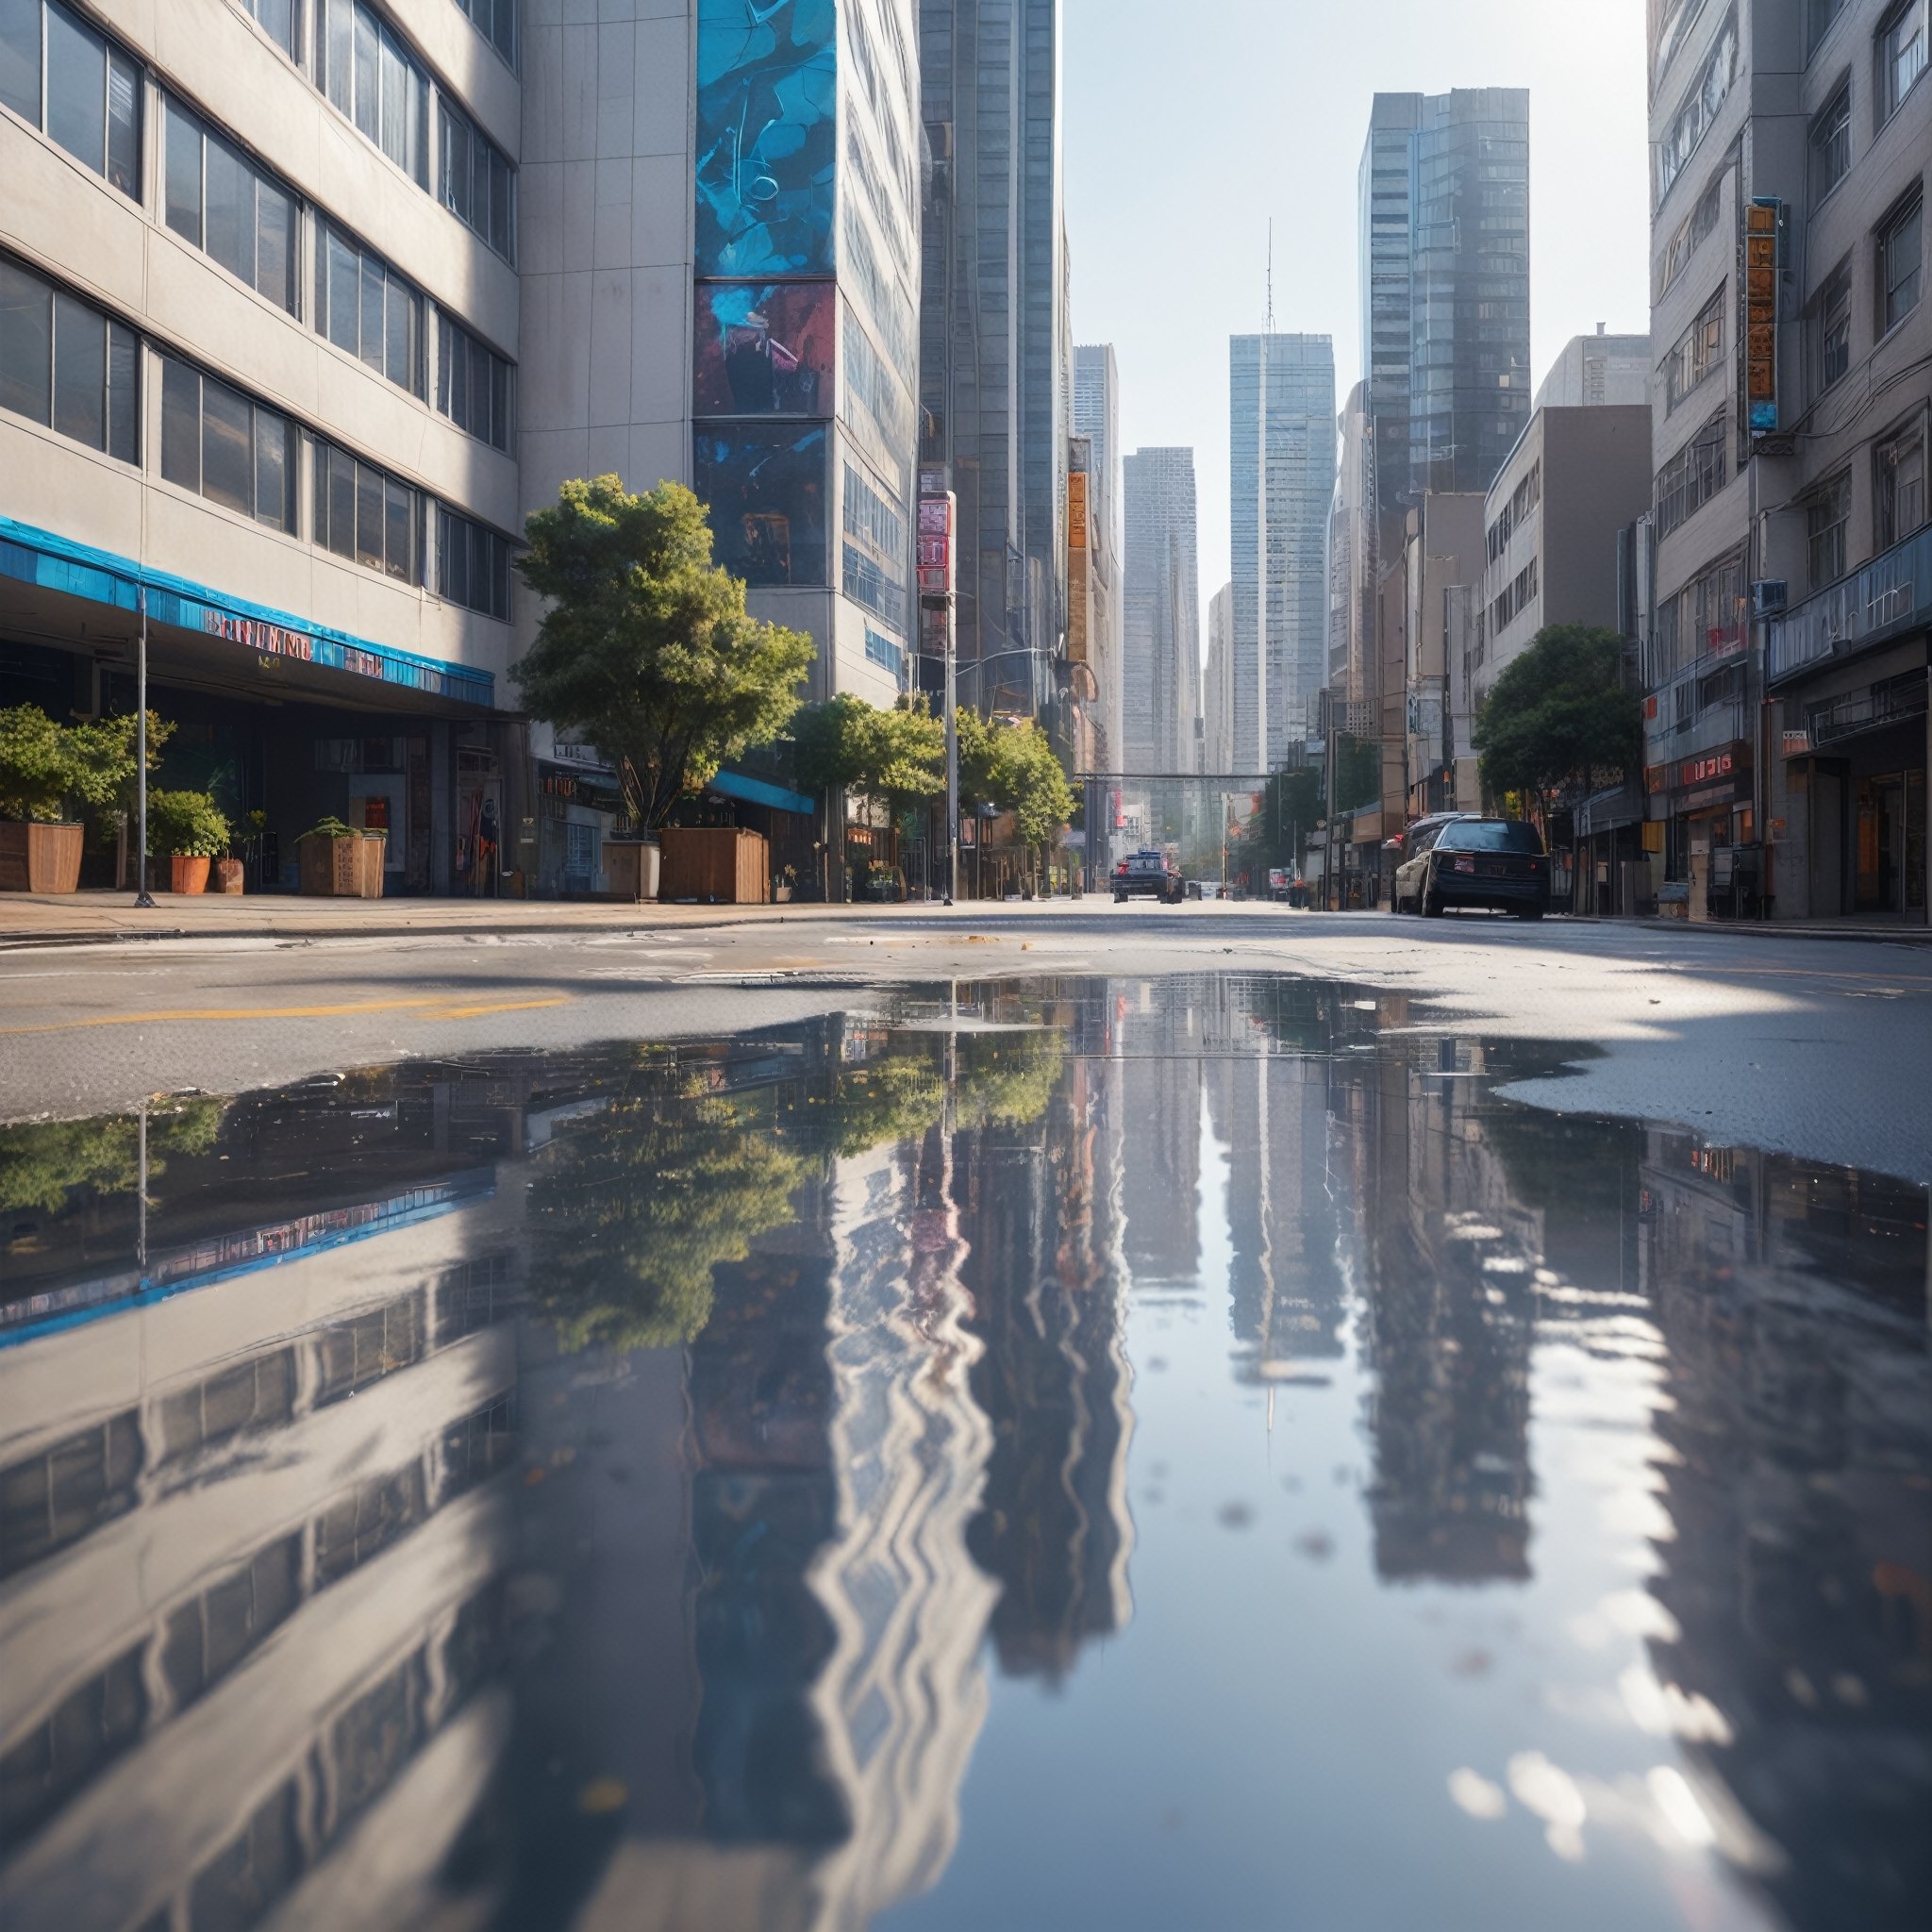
point(1873, 603)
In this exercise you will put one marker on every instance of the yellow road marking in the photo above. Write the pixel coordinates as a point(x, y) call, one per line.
point(434, 1007)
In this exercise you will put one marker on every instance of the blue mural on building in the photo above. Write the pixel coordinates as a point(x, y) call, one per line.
point(766, 490)
point(767, 136)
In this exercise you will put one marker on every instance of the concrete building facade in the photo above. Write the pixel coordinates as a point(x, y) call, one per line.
point(304, 306)
point(1217, 685)
point(1591, 372)
point(1786, 750)
point(1282, 451)
point(1160, 674)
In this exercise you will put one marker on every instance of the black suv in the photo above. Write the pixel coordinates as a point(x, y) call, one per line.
point(1495, 862)
point(1151, 876)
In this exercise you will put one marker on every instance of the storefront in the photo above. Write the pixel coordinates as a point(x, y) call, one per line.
point(1711, 858)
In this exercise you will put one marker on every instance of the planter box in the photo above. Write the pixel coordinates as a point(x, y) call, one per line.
point(632, 866)
point(722, 865)
point(39, 859)
point(187, 875)
point(225, 875)
point(347, 868)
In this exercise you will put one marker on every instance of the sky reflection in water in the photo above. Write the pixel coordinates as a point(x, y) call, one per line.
point(1200, 1458)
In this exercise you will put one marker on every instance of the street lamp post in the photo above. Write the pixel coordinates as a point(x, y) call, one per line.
point(143, 896)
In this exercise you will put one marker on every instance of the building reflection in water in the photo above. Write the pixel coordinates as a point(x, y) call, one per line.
point(594, 1489)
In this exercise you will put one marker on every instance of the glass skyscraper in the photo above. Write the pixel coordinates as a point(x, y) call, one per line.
point(1281, 461)
point(1160, 684)
point(1444, 214)
point(996, 350)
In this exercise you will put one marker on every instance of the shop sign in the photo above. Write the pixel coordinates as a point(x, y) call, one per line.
point(258, 634)
point(969, 831)
point(936, 546)
point(1705, 770)
point(1654, 777)
point(1795, 745)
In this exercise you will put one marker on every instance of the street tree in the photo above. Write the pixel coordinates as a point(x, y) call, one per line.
point(1559, 718)
point(646, 651)
point(897, 756)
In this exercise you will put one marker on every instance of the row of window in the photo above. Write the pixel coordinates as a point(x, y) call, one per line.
point(1692, 476)
point(1696, 354)
point(1522, 499)
point(1899, 505)
point(1707, 615)
point(1898, 281)
point(1700, 221)
point(65, 364)
point(1697, 111)
point(1517, 596)
point(220, 201)
point(1899, 59)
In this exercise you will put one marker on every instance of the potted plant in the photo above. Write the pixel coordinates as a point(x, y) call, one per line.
point(46, 769)
point(339, 862)
point(229, 873)
point(190, 830)
point(782, 886)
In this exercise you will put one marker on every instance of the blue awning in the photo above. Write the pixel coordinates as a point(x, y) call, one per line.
point(760, 791)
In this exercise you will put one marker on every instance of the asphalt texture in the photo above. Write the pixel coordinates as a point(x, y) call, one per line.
point(1817, 1048)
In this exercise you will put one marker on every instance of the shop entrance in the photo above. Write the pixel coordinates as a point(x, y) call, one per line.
point(1880, 835)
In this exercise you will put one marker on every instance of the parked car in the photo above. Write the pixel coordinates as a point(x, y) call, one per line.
point(1148, 874)
point(1499, 863)
point(1414, 839)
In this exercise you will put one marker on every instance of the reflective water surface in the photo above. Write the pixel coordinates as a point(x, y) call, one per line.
point(1143, 1456)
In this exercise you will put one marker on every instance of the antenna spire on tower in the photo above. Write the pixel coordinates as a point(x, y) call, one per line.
point(1268, 328)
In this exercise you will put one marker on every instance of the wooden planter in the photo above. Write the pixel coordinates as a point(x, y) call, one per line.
point(226, 876)
point(39, 859)
point(345, 868)
point(187, 875)
point(722, 865)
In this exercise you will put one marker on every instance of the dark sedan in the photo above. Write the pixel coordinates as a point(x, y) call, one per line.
point(1499, 863)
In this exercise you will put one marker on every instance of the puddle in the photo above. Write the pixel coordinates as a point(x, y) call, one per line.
point(1070, 1453)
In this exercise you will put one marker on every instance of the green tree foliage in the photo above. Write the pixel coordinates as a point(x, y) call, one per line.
point(47, 767)
point(41, 1163)
point(1014, 768)
point(186, 825)
point(646, 650)
point(1357, 773)
point(1277, 833)
point(1559, 715)
point(896, 757)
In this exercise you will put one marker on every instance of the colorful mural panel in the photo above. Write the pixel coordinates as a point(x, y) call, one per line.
point(767, 136)
point(766, 489)
point(764, 348)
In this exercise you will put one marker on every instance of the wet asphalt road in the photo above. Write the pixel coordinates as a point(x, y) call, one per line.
point(1817, 1048)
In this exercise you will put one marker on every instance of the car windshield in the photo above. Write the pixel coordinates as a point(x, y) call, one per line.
point(1490, 834)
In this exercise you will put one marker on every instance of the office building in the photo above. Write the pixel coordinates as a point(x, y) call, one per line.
point(1281, 453)
point(1217, 685)
point(1444, 198)
point(1160, 662)
point(305, 307)
point(995, 347)
point(1785, 751)
point(1097, 417)
point(1591, 372)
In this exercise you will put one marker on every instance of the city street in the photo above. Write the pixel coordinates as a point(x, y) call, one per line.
point(1818, 1048)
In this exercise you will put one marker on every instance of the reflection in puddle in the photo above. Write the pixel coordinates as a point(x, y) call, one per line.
point(1148, 1455)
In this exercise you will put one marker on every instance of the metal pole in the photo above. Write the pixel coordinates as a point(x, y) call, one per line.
point(143, 896)
point(951, 749)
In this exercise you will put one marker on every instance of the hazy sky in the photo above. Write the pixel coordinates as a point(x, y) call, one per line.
point(1189, 123)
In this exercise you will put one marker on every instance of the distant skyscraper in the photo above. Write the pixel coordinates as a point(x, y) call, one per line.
point(1097, 417)
point(1445, 213)
point(1281, 455)
point(1352, 554)
point(1217, 685)
point(996, 377)
point(1160, 685)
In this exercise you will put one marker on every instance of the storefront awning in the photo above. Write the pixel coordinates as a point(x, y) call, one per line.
point(52, 562)
point(760, 791)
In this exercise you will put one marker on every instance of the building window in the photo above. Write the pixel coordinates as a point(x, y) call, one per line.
point(366, 516)
point(1699, 222)
point(1900, 252)
point(1696, 353)
point(367, 72)
point(476, 182)
point(64, 364)
point(882, 651)
point(1831, 143)
point(1819, 16)
point(280, 20)
point(1901, 55)
point(1826, 517)
point(75, 85)
point(1691, 477)
point(1698, 110)
point(363, 306)
point(218, 443)
point(1831, 326)
point(471, 564)
point(496, 20)
point(1901, 487)
point(473, 384)
point(221, 202)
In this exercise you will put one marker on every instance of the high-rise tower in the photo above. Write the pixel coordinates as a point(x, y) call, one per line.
point(1160, 685)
